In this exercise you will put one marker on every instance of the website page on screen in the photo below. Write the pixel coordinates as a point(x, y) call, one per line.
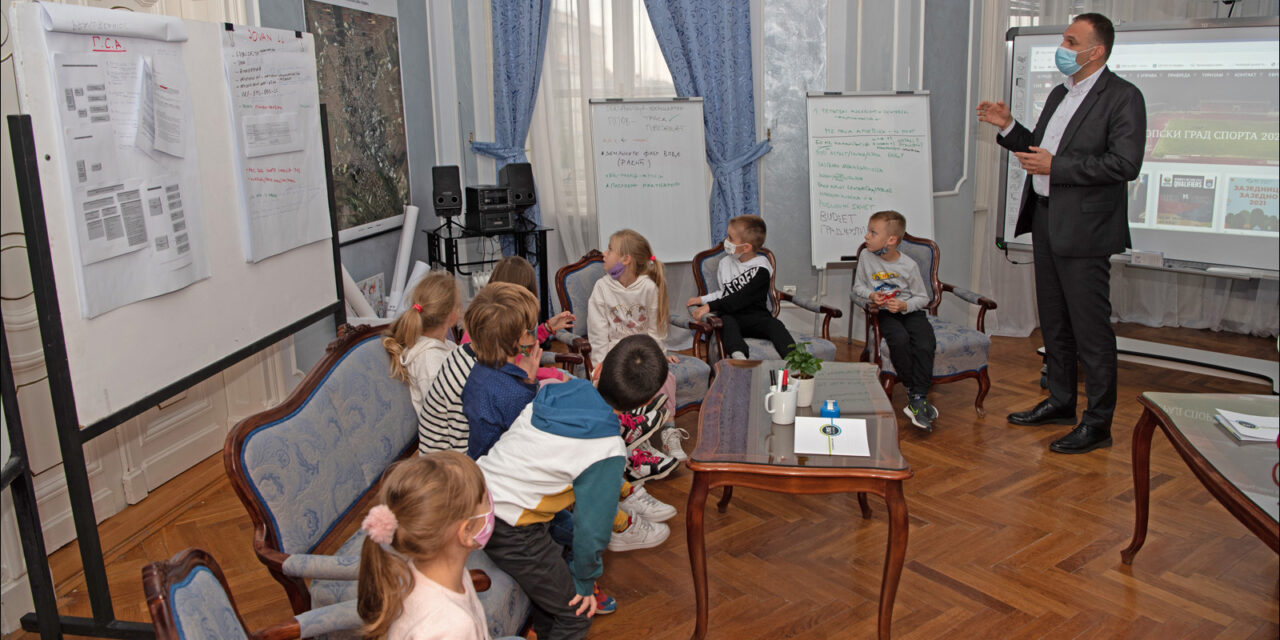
point(1208, 191)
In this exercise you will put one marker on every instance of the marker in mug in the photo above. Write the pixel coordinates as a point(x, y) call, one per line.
point(784, 379)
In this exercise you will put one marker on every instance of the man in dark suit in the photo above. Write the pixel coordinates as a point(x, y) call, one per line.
point(1087, 144)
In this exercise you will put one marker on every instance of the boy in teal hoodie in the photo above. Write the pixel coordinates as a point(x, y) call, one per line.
point(564, 450)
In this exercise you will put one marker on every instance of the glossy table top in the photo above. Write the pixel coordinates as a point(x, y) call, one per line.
point(736, 429)
point(1248, 466)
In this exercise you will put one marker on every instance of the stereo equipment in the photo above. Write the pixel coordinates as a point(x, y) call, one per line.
point(489, 209)
point(446, 191)
point(518, 178)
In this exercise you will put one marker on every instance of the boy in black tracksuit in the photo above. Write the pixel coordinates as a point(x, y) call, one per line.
point(742, 301)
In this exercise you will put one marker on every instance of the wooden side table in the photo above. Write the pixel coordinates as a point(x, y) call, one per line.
point(738, 445)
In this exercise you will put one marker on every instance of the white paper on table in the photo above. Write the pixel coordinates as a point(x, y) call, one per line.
point(815, 436)
point(1261, 428)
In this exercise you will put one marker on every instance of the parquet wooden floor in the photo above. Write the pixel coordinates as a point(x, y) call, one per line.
point(1006, 539)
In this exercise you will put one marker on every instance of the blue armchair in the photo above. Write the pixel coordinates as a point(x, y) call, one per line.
point(961, 352)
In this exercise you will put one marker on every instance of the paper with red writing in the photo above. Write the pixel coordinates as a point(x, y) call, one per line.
point(271, 78)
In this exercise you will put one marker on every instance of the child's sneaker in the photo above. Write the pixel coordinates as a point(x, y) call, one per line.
point(641, 504)
point(647, 464)
point(604, 604)
point(640, 534)
point(638, 425)
point(921, 413)
point(671, 441)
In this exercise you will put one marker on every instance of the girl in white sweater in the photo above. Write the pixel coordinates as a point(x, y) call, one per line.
point(418, 340)
point(632, 299)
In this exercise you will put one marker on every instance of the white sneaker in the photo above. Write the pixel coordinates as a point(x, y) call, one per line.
point(642, 534)
point(671, 437)
point(642, 505)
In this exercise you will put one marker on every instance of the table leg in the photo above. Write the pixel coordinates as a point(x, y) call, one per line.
point(894, 554)
point(1141, 482)
point(697, 544)
point(725, 497)
point(862, 503)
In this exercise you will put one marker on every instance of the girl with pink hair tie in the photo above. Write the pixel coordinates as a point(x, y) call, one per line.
point(434, 511)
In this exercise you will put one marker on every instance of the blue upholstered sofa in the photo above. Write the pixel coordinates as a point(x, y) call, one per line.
point(307, 471)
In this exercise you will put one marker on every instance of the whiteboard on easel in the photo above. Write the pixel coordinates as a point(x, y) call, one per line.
point(867, 152)
point(650, 162)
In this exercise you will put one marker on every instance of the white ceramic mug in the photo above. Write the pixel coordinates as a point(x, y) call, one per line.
point(781, 404)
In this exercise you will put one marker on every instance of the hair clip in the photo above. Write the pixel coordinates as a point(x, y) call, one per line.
point(417, 307)
point(653, 258)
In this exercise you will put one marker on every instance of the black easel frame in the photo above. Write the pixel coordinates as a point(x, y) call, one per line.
point(71, 438)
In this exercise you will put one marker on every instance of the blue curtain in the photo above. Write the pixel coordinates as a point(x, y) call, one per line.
point(519, 40)
point(707, 45)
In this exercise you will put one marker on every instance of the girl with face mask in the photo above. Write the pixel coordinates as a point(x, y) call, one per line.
point(434, 511)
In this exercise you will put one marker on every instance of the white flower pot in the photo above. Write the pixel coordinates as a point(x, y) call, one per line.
point(804, 391)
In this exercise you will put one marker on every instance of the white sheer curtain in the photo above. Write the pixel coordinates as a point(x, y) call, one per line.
point(595, 49)
point(1153, 298)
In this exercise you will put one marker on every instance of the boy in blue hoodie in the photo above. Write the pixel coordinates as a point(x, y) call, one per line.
point(564, 450)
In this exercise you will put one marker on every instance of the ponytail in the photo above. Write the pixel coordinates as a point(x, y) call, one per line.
point(384, 581)
point(434, 298)
point(658, 274)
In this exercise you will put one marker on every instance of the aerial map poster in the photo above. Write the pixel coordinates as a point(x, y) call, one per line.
point(358, 66)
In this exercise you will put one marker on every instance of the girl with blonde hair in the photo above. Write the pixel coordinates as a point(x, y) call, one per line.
point(418, 340)
point(632, 299)
point(433, 511)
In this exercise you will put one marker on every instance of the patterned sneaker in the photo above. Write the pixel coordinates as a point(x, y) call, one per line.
point(640, 534)
point(933, 411)
point(642, 505)
point(918, 410)
point(671, 437)
point(638, 425)
point(647, 464)
point(604, 604)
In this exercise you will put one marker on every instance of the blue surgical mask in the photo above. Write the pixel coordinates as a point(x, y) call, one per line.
point(881, 251)
point(616, 270)
point(1066, 60)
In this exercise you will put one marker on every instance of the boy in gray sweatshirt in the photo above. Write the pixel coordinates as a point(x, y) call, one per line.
point(891, 282)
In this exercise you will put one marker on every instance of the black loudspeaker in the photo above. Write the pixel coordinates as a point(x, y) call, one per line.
point(446, 191)
point(518, 178)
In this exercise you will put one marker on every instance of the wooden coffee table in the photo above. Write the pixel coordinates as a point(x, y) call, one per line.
point(738, 445)
point(1240, 475)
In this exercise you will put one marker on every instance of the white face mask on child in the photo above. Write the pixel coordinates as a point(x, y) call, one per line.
point(731, 248)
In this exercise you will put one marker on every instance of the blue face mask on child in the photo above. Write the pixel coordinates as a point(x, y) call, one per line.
point(881, 251)
point(616, 270)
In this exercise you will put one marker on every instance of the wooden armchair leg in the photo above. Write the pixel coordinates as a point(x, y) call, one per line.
point(862, 502)
point(984, 385)
point(723, 505)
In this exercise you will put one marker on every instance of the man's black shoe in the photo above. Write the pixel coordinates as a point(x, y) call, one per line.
point(1043, 413)
point(1082, 439)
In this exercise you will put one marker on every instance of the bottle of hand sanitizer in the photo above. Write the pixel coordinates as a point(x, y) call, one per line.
point(830, 409)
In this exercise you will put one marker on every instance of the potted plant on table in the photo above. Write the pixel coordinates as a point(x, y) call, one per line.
point(803, 365)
